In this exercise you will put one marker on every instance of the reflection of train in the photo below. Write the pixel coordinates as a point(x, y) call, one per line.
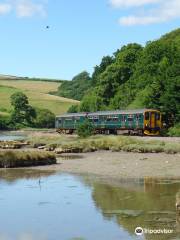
point(142, 121)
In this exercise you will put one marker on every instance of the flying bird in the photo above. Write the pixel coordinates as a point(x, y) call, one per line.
point(47, 27)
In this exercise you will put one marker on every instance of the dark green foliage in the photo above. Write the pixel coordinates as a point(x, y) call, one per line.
point(23, 113)
point(92, 103)
point(85, 129)
point(76, 88)
point(19, 101)
point(106, 61)
point(44, 119)
point(73, 109)
point(139, 77)
point(4, 123)
point(174, 131)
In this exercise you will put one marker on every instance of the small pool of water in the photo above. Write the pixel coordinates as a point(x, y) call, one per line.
point(10, 137)
point(45, 205)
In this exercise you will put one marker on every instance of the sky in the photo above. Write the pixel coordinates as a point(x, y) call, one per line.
point(80, 32)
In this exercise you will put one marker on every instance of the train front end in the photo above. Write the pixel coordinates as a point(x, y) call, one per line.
point(152, 122)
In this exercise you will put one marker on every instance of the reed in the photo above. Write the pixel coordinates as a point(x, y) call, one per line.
point(16, 158)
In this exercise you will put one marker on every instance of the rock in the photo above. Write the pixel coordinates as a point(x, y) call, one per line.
point(59, 150)
point(41, 147)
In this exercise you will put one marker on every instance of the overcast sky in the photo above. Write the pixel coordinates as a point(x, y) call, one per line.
point(80, 32)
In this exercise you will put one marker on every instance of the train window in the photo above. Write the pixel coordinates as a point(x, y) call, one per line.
point(109, 119)
point(68, 119)
point(115, 119)
point(130, 119)
point(59, 121)
point(146, 115)
point(96, 120)
point(157, 116)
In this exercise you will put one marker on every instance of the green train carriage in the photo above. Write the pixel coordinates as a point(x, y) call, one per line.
point(141, 121)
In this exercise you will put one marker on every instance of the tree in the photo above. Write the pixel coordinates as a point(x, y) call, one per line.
point(45, 118)
point(73, 109)
point(23, 112)
point(76, 88)
point(105, 62)
point(19, 101)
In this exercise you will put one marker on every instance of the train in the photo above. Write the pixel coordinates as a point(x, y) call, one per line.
point(138, 122)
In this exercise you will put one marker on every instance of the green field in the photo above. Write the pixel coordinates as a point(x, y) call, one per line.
point(37, 92)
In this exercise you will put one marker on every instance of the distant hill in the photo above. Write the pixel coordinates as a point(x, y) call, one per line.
point(37, 92)
point(10, 77)
point(76, 88)
point(172, 36)
point(3, 76)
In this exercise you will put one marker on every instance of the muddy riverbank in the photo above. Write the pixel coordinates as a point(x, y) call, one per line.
point(119, 164)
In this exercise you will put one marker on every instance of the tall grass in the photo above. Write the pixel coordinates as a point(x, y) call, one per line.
point(113, 143)
point(15, 158)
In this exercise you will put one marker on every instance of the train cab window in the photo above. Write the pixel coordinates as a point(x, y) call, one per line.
point(147, 115)
point(157, 116)
point(59, 121)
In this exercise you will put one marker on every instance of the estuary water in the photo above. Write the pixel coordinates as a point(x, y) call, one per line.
point(46, 205)
point(7, 136)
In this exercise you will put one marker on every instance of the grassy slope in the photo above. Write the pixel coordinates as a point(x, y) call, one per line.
point(37, 92)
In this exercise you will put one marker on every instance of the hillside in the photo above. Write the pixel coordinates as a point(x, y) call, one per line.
point(138, 77)
point(37, 92)
point(76, 88)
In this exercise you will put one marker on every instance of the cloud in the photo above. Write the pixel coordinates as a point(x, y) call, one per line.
point(131, 3)
point(159, 12)
point(24, 8)
point(5, 8)
point(27, 8)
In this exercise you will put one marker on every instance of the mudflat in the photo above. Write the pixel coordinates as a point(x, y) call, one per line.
point(119, 164)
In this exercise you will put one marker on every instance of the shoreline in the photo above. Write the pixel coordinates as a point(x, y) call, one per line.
point(118, 165)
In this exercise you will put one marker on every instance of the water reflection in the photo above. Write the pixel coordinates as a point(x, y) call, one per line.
point(48, 205)
point(152, 206)
point(12, 175)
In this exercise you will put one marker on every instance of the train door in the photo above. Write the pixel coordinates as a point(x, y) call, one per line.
point(152, 120)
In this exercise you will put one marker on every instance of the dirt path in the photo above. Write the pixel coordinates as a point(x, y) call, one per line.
point(120, 165)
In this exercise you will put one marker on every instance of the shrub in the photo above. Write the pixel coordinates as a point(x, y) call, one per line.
point(4, 123)
point(174, 131)
point(85, 129)
point(45, 118)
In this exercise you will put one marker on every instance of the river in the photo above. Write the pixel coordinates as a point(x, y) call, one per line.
point(46, 205)
point(9, 136)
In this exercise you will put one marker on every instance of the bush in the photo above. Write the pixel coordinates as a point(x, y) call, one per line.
point(85, 129)
point(73, 109)
point(4, 123)
point(174, 131)
point(45, 118)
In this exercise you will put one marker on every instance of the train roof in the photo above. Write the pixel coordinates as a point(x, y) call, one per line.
point(104, 113)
